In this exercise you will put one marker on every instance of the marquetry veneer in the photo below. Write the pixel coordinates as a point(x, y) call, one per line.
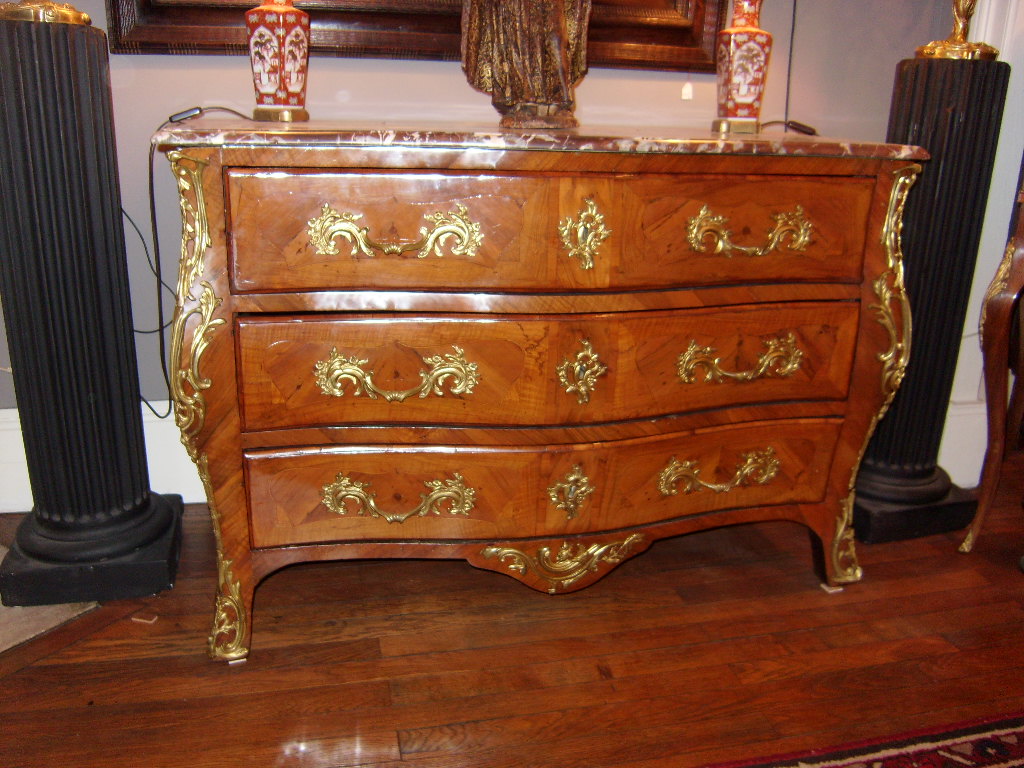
point(539, 353)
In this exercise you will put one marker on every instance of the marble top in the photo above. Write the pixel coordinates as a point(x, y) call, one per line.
point(218, 131)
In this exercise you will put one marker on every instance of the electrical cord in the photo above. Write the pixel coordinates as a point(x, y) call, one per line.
point(161, 326)
point(789, 66)
point(154, 260)
point(149, 262)
point(793, 125)
point(786, 123)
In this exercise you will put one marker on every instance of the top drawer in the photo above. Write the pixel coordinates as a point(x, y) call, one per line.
point(298, 230)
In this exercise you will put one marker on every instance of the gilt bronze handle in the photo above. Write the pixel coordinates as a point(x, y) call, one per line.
point(454, 229)
point(758, 467)
point(792, 227)
point(453, 493)
point(782, 357)
point(333, 373)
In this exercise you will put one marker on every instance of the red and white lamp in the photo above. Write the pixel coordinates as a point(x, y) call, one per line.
point(278, 34)
point(743, 53)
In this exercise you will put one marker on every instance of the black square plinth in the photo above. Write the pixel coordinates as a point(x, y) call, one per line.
point(25, 580)
point(879, 521)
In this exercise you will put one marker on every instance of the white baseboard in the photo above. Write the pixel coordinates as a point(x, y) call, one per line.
point(170, 469)
point(17, 495)
point(964, 439)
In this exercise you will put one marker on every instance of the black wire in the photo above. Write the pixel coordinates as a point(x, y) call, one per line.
point(154, 267)
point(158, 272)
point(149, 259)
point(188, 114)
point(234, 112)
point(154, 261)
point(786, 123)
point(789, 64)
point(793, 125)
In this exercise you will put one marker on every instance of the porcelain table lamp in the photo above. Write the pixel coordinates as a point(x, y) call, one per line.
point(743, 53)
point(278, 36)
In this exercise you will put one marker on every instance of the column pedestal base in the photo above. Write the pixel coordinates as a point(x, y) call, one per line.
point(27, 580)
point(877, 521)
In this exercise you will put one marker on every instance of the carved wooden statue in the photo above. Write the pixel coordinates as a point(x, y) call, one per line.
point(529, 55)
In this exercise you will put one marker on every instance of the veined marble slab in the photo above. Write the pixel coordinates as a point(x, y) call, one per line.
point(220, 131)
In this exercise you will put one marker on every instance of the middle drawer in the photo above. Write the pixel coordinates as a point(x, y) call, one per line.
point(523, 370)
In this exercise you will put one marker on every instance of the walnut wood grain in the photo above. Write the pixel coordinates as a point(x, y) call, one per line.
point(517, 358)
point(256, 313)
point(647, 216)
point(511, 484)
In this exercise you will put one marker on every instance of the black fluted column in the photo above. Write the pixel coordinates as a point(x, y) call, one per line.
point(952, 108)
point(96, 532)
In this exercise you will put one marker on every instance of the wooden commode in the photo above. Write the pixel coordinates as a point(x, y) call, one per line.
point(539, 353)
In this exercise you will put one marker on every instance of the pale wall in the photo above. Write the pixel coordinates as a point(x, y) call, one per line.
point(842, 67)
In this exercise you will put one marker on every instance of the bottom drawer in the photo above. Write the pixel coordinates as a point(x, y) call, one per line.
point(438, 492)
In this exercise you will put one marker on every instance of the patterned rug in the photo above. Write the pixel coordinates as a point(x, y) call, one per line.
point(19, 624)
point(989, 744)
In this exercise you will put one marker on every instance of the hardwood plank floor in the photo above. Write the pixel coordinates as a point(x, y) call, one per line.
point(712, 647)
